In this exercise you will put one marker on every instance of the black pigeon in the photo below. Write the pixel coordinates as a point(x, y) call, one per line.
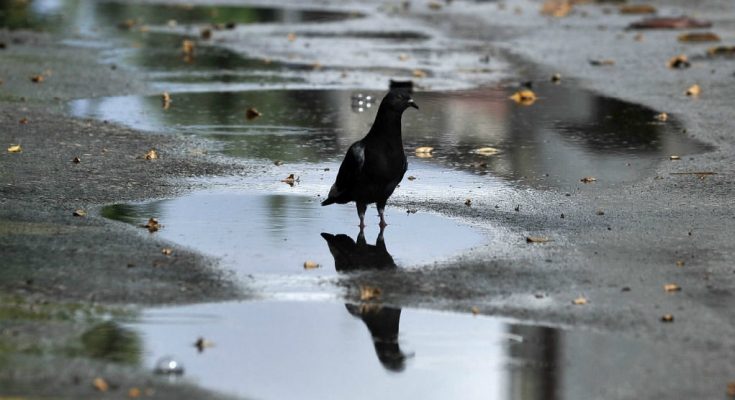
point(375, 165)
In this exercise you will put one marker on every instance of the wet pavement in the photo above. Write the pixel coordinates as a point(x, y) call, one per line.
point(264, 230)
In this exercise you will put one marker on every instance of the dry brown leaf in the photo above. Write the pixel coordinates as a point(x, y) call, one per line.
point(672, 287)
point(152, 154)
point(670, 23)
point(205, 33)
point(419, 73)
point(537, 239)
point(486, 151)
point(637, 9)
point(680, 263)
point(468, 202)
point(424, 151)
point(556, 78)
point(134, 393)
point(37, 78)
point(698, 37)
point(370, 293)
point(667, 318)
point(290, 180)
point(674, 157)
point(15, 148)
point(694, 91)
point(310, 265)
point(556, 8)
point(187, 47)
point(100, 384)
point(435, 5)
point(525, 97)
point(202, 344)
point(152, 225)
point(721, 50)
point(663, 117)
point(251, 113)
point(588, 179)
point(79, 213)
point(680, 61)
point(602, 62)
point(291, 37)
point(76, 160)
point(475, 310)
point(580, 301)
point(411, 178)
point(167, 251)
point(23, 121)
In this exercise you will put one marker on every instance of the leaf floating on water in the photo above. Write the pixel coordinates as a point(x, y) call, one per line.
point(152, 225)
point(588, 179)
point(680, 61)
point(15, 148)
point(368, 293)
point(602, 62)
point(76, 160)
point(166, 100)
point(251, 113)
point(667, 318)
point(79, 213)
point(694, 91)
point(672, 287)
point(187, 47)
point(580, 301)
point(525, 97)
point(411, 178)
point(424, 152)
point(486, 151)
point(290, 180)
point(637, 9)
point(670, 23)
point(167, 251)
point(152, 154)
point(37, 78)
point(202, 344)
point(663, 117)
point(556, 8)
point(680, 263)
point(100, 384)
point(537, 239)
point(698, 37)
point(674, 157)
point(556, 78)
point(310, 265)
point(721, 50)
point(23, 121)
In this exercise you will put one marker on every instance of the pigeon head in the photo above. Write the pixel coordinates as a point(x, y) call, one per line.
point(398, 101)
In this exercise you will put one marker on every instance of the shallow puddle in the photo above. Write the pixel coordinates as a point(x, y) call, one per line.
point(326, 350)
point(567, 134)
point(274, 234)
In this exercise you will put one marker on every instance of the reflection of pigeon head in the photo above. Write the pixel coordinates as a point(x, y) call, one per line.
point(383, 324)
point(351, 255)
point(374, 166)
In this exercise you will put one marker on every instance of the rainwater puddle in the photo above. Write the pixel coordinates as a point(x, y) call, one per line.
point(329, 350)
point(270, 236)
point(567, 134)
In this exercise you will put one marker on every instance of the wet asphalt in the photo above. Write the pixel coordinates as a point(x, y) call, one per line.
point(617, 247)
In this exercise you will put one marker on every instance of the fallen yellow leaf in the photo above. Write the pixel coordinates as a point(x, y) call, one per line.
point(667, 318)
point(14, 148)
point(167, 251)
point(187, 47)
point(100, 384)
point(525, 97)
point(721, 50)
point(152, 225)
point(579, 301)
point(663, 117)
point(694, 91)
point(698, 37)
point(637, 9)
point(674, 157)
point(537, 239)
point(166, 100)
point(680, 61)
point(369, 293)
point(151, 154)
point(672, 287)
point(588, 179)
point(426, 150)
point(310, 265)
point(23, 121)
point(486, 151)
point(556, 8)
point(79, 213)
point(37, 78)
point(680, 263)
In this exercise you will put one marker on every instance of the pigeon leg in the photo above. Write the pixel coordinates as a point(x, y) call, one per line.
point(381, 212)
point(361, 208)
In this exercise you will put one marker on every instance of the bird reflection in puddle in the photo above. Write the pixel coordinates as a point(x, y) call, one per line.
point(382, 322)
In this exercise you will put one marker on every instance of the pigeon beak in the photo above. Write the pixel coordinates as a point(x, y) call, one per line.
point(411, 103)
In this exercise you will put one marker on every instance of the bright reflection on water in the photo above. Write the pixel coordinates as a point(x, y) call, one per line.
point(326, 350)
point(567, 134)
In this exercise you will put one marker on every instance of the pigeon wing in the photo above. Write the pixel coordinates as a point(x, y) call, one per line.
point(349, 172)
